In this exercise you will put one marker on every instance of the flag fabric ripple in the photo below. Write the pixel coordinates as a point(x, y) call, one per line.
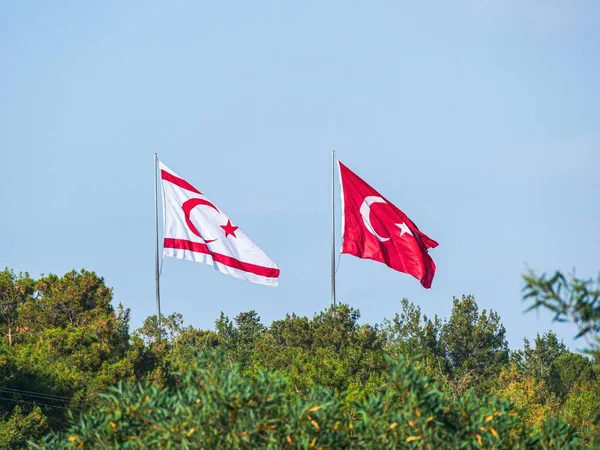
point(197, 230)
point(374, 228)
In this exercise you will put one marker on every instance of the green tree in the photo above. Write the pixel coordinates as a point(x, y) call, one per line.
point(332, 349)
point(151, 347)
point(21, 426)
point(239, 339)
point(474, 345)
point(568, 370)
point(220, 407)
point(412, 333)
point(537, 360)
point(14, 292)
point(577, 300)
point(569, 298)
point(581, 409)
point(68, 345)
point(465, 352)
point(529, 394)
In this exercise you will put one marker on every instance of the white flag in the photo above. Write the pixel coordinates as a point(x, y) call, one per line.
point(195, 229)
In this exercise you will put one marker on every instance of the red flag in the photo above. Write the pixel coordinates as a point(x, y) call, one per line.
point(373, 228)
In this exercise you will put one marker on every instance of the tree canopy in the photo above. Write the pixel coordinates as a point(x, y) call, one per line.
point(73, 375)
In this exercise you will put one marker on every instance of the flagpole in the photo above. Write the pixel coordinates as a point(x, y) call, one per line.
point(156, 260)
point(333, 227)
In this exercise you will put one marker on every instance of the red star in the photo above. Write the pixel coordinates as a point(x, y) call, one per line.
point(229, 229)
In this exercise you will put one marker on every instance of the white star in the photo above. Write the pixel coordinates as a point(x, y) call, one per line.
point(403, 229)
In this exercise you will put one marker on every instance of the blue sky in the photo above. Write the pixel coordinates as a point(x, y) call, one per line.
point(480, 120)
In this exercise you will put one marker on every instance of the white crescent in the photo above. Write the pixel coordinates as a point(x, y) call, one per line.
point(365, 211)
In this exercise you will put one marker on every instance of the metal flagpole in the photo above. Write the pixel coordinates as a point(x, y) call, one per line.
point(156, 262)
point(333, 228)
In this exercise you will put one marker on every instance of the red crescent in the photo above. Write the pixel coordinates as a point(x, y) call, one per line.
point(187, 209)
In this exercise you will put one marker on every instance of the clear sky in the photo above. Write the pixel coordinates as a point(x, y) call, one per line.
point(479, 119)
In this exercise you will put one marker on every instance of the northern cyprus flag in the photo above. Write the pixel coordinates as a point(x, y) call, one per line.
point(195, 229)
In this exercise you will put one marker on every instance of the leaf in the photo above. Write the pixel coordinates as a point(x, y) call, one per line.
point(314, 424)
point(113, 426)
point(392, 426)
point(313, 409)
point(488, 419)
point(413, 438)
point(314, 441)
point(494, 432)
point(192, 430)
point(73, 438)
point(479, 441)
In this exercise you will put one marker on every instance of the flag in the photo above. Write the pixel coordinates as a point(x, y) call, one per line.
point(373, 228)
point(196, 230)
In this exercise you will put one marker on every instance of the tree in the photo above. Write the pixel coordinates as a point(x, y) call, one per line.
point(332, 349)
point(577, 300)
point(569, 370)
point(68, 345)
point(474, 347)
point(415, 382)
point(217, 406)
point(581, 409)
point(529, 394)
point(569, 298)
point(14, 292)
point(239, 339)
point(465, 352)
point(151, 348)
point(536, 361)
point(21, 426)
point(411, 333)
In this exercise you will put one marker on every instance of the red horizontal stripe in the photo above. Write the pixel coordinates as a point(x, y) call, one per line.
point(183, 244)
point(178, 181)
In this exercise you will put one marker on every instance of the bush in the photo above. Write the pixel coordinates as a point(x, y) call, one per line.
point(216, 406)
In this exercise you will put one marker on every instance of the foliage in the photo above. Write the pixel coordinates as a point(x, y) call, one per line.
point(474, 346)
point(581, 409)
point(20, 426)
point(63, 345)
point(332, 350)
point(530, 396)
point(66, 345)
point(571, 377)
point(465, 352)
point(216, 407)
point(569, 298)
point(536, 361)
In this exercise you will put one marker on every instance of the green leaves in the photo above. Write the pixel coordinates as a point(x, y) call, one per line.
point(217, 407)
point(576, 300)
point(68, 344)
point(326, 381)
point(572, 298)
point(466, 352)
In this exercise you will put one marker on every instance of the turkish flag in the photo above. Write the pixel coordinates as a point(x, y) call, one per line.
point(195, 229)
point(373, 228)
